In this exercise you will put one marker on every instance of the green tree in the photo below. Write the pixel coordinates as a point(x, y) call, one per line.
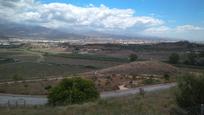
point(73, 91)
point(133, 57)
point(190, 92)
point(191, 58)
point(174, 58)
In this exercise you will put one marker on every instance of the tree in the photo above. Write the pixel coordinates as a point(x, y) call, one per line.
point(191, 59)
point(133, 57)
point(73, 91)
point(190, 93)
point(174, 58)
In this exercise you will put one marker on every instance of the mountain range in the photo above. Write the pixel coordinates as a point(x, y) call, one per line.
point(23, 31)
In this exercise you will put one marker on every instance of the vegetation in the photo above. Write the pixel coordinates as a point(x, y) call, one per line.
point(174, 58)
point(194, 59)
point(190, 94)
point(73, 91)
point(33, 70)
point(150, 81)
point(49, 65)
point(133, 57)
point(16, 77)
point(167, 77)
point(76, 90)
point(154, 103)
point(90, 57)
point(6, 60)
point(191, 58)
point(48, 87)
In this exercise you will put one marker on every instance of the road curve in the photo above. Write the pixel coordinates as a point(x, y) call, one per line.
point(13, 99)
point(131, 91)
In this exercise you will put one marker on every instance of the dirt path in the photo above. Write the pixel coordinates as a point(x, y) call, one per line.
point(32, 80)
point(40, 55)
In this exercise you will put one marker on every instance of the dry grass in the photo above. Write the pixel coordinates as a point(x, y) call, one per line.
point(28, 88)
point(142, 67)
point(105, 80)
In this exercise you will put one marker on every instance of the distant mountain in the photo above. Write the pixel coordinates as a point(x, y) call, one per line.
point(8, 29)
point(23, 31)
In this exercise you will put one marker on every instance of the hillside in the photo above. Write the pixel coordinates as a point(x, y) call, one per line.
point(135, 68)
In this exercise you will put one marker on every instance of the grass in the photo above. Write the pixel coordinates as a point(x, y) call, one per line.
point(90, 57)
point(30, 70)
point(83, 62)
point(154, 103)
point(32, 64)
point(28, 88)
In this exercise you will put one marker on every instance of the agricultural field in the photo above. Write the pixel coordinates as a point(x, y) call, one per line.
point(33, 71)
point(107, 65)
point(31, 64)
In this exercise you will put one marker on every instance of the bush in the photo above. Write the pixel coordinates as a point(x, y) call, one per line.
point(16, 77)
point(190, 92)
point(73, 91)
point(174, 58)
point(191, 59)
point(133, 57)
point(150, 81)
point(167, 77)
point(48, 87)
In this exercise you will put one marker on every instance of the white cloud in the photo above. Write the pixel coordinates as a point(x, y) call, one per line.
point(187, 32)
point(188, 28)
point(157, 30)
point(178, 29)
point(56, 15)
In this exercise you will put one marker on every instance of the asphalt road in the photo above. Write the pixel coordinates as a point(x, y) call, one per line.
point(150, 88)
point(30, 100)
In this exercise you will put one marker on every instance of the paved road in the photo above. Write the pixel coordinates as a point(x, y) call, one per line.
point(120, 93)
point(42, 100)
point(12, 100)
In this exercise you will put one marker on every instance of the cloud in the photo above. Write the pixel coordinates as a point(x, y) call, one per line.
point(157, 30)
point(187, 32)
point(62, 15)
point(188, 28)
point(177, 29)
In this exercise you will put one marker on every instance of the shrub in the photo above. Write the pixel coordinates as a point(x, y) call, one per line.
point(150, 81)
point(167, 77)
point(191, 59)
point(48, 87)
point(190, 92)
point(73, 91)
point(16, 77)
point(133, 57)
point(174, 58)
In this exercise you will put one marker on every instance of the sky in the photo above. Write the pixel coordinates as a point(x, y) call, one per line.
point(181, 19)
